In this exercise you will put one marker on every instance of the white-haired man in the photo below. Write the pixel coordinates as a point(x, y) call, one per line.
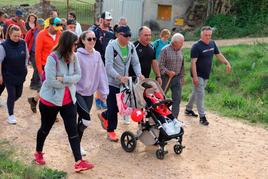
point(171, 66)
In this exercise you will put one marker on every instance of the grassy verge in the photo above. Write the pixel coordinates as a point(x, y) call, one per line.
point(243, 93)
point(13, 169)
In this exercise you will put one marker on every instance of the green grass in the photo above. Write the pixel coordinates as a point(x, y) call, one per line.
point(13, 169)
point(244, 92)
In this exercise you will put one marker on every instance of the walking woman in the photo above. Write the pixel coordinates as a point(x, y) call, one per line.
point(93, 78)
point(57, 95)
point(13, 70)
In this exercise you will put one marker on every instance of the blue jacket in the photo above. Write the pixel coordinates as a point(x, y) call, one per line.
point(53, 90)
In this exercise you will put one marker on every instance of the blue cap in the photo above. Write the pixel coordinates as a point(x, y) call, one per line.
point(19, 12)
point(40, 21)
point(124, 29)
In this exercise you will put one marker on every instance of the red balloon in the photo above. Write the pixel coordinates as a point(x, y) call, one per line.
point(137, 115)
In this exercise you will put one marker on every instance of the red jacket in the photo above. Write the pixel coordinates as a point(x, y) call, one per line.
point(29, 38)
point(43, 46)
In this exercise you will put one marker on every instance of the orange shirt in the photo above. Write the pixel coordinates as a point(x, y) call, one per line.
point(44, 45)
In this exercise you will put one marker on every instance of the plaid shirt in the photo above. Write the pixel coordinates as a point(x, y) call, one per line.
point(171, 60)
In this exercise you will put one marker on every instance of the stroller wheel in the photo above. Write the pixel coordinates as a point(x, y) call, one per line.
point(128, 141)
point(160, 154)
point(178, 149)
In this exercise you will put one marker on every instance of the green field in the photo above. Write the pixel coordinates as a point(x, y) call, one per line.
point(244, 92)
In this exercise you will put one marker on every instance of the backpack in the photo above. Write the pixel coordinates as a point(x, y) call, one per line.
point(54, 56)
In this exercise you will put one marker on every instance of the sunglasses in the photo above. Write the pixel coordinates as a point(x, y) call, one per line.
point(57, 25)
point(125, 35)
point(91, 38)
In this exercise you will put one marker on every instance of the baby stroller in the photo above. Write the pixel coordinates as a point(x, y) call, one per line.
point(150, 110)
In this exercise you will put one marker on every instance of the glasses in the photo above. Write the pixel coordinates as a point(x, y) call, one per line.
point(91, 38)
point(57, 25)
point(125, 35)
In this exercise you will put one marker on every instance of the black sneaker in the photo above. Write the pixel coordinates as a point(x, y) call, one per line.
point(203, 121)
point(33, 104)
point(190, 113)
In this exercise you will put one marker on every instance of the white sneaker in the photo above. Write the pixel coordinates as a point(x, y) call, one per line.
point(83, 152)
point(11, 119)
point(126, 120)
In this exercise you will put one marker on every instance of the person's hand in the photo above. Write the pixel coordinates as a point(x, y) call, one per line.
point(59, 78)
point(124, 79)
point(195, 81)
point(159, 80)
point(182, 81)
point(141, 77)
point(228, 68)
point(171, 73)
point(1, 79)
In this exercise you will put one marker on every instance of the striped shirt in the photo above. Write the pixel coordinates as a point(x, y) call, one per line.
point(171, 60)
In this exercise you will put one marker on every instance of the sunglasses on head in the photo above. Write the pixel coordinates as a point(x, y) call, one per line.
point(91, 38)
point(125, 35)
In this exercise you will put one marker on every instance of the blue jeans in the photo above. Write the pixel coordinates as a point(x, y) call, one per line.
point(111, 113)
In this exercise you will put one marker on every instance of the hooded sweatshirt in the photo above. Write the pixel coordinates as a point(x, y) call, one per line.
point(93, 74)
point(116, 66)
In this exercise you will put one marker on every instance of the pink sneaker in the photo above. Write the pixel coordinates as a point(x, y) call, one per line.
point(83, 165)
point(38, 158)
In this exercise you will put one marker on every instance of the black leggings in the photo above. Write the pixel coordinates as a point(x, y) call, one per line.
point(2, 88)
point(14, 93)
point(48, 117)
point(84, 114)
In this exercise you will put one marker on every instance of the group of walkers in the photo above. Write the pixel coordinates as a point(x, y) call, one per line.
point(72, 67)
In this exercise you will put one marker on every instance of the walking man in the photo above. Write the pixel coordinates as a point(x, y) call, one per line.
point(202, 54)
point(172, 70)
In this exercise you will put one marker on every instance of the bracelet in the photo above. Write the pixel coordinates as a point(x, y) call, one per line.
point(157, 77)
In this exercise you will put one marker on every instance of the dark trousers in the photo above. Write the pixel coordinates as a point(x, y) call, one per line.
point(48, 117)
point(111, 113)
point(13, 94)
point(2, 88)
point(175, 87)
point(35, 77)
point(83, 111)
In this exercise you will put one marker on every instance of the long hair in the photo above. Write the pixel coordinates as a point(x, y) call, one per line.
point(28, 18)
point(65, 45)
point(10, 29)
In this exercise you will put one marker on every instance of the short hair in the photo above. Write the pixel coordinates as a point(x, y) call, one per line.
point(176, 37)
point(206, 28)
point(72, 14)
point(143, 27)
point(164, 32)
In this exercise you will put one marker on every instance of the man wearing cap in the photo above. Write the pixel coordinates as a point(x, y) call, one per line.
point(119, 54)
point(30, 40)
point(45, 41)
point(71, 25)
point(104, 34)
point(17, 20)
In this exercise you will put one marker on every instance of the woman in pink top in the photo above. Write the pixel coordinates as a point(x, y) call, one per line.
point(93, 78)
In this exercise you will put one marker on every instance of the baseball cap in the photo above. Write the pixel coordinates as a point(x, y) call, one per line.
point(124, 29)
point(40, 21)
point(55, 21)
point(106, 15)
point(19, 12)
point(71, 21)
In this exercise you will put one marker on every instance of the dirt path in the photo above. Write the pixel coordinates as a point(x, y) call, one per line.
point(226, 149)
